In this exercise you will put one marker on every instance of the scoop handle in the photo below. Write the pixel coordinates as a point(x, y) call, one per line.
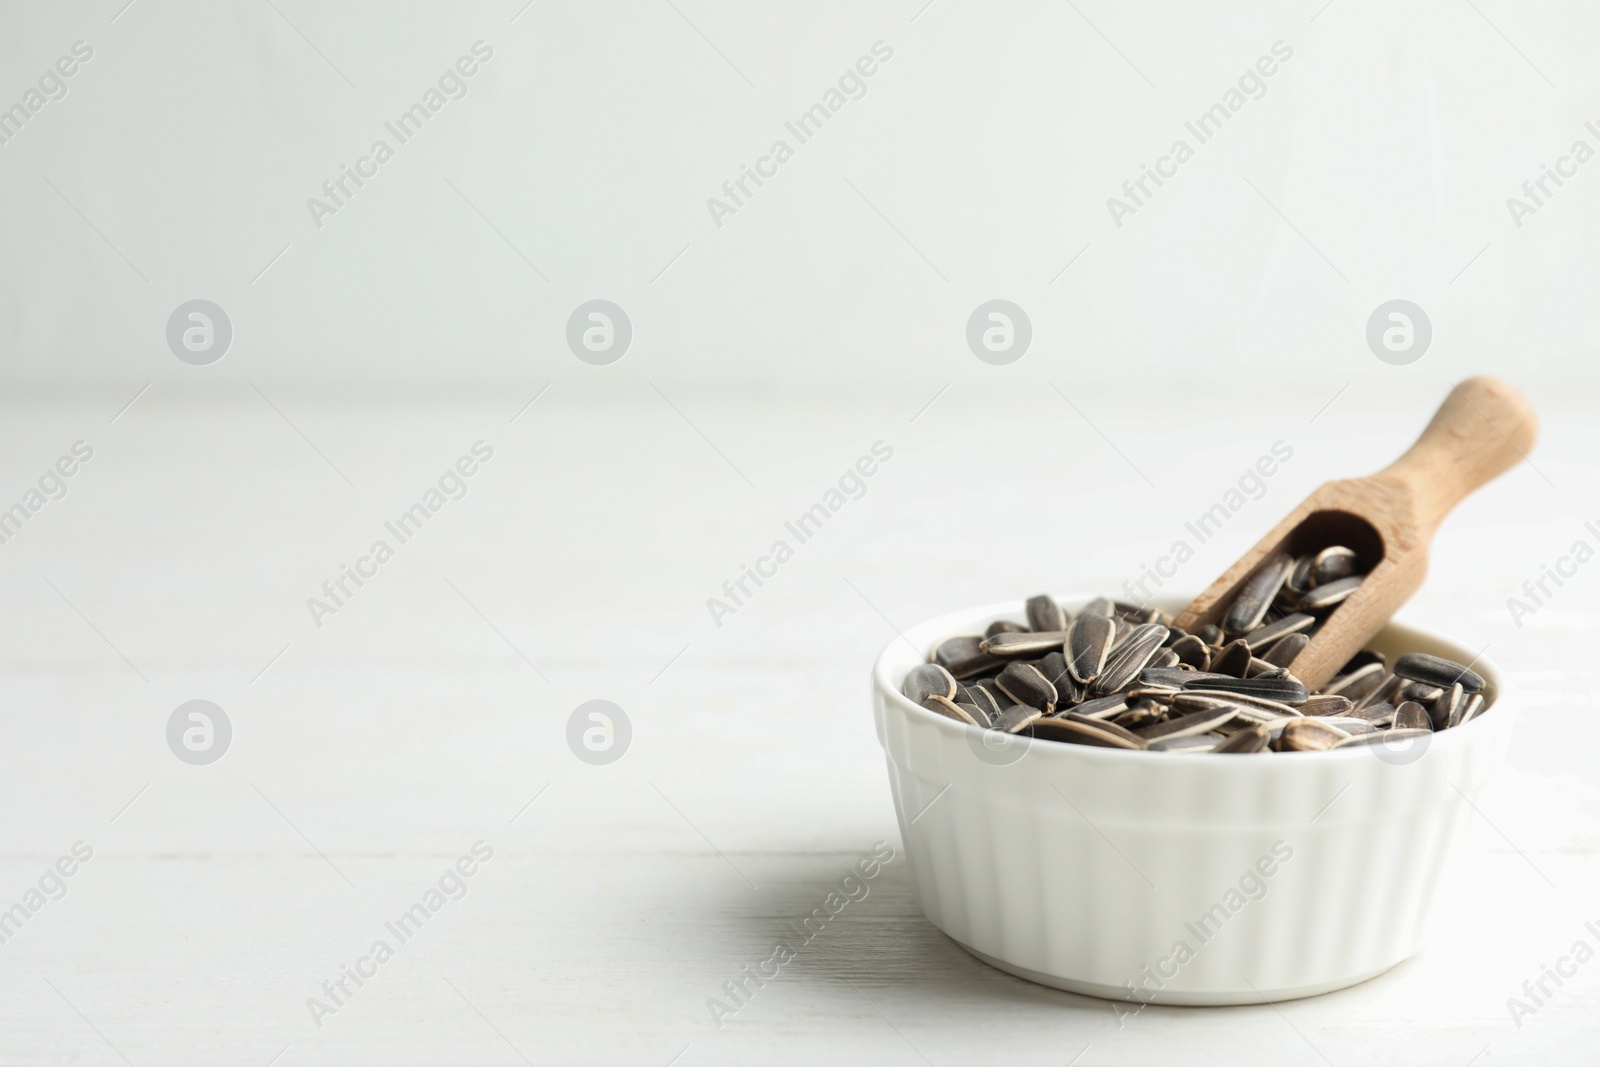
point(1483, 429)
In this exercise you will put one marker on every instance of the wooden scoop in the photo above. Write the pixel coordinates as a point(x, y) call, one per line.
point(1480, 431)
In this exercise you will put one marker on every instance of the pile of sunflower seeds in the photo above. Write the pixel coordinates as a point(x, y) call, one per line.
point(1121, 676)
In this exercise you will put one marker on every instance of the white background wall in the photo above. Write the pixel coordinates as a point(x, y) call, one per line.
point(188, 146)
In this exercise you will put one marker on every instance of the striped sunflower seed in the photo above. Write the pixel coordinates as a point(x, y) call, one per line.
point(1164, 658)
point(1140, 713)
point(1174, 676)
point(1326, 596)
point(1474, 708)
point(1192, 652)
point(1044, 614)
point(1299, 579)
point(1088, 645)
point(1251, 739)
point(1376, 714)
point(1004, 626)
point(1024, 683)
point(1234, 659)
point(1262, 636)
point(1385, 693)
point(1323, 704)
point(926, 680)
point(1333, 563)
point(1102, 707)
point(1017, 718)
point(1083, 732)
point(1283, 690)
point(1260, 668)
point(1254, 708)
point(1012, 645)
point(1199, 722)
point(984, 700)
point(1103, 724)
point(1358, 683)
point(1422, 694)
point(1284, 650)
point(1436, 671)
point(1257, 594)
point(1211, 634)
point(1124, 665)
point(1310, 735)
point(1412, 716)
point(951, 710)
point(1451, 704)
point(1100, 606)
point(964, 657)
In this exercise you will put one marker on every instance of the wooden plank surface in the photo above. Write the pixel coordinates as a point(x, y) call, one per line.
point(371, 753)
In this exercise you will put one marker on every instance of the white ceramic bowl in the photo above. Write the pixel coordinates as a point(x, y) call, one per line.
point(1179, 878)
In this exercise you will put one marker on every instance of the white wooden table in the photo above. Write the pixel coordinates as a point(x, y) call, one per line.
point(431, 709)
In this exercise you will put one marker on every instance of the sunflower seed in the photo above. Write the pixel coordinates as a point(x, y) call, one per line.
point(1016, 718)
point(1323, 705)
point(1105, 725)
point(1084, 732)
point(1284, 650)
point(1255, 708)
point(1100, 606)
point(1211, 634)
point(984, 699)
point(1044, 614)
point(1234, 659)
point(1102, 707)
point(1262, 636)
point(1412, 716)
point(1384, 694)
point(1024, 683)
point(1310, 735)
point(1088, 644)
point(1422, 694)
point(1260, 668)
point(1474, 708)
point(978, 715)
point(1251, 739)
point(1283, 690)
point(1192, 651)
point(1012, 645)
point(1199, 722)
point(1140, 713)
point(951, 710)
point(1257, 594)
point(1376, 714)
point(1004, 626)
point(1356, 683)
point(1299, 579)
point(1125, 664)
point(1164, 658)
point(1331, 564)
point(928, 679)
point(1326, 596)
point(964, 657)
point(1175, 676)
point(1436, 671)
